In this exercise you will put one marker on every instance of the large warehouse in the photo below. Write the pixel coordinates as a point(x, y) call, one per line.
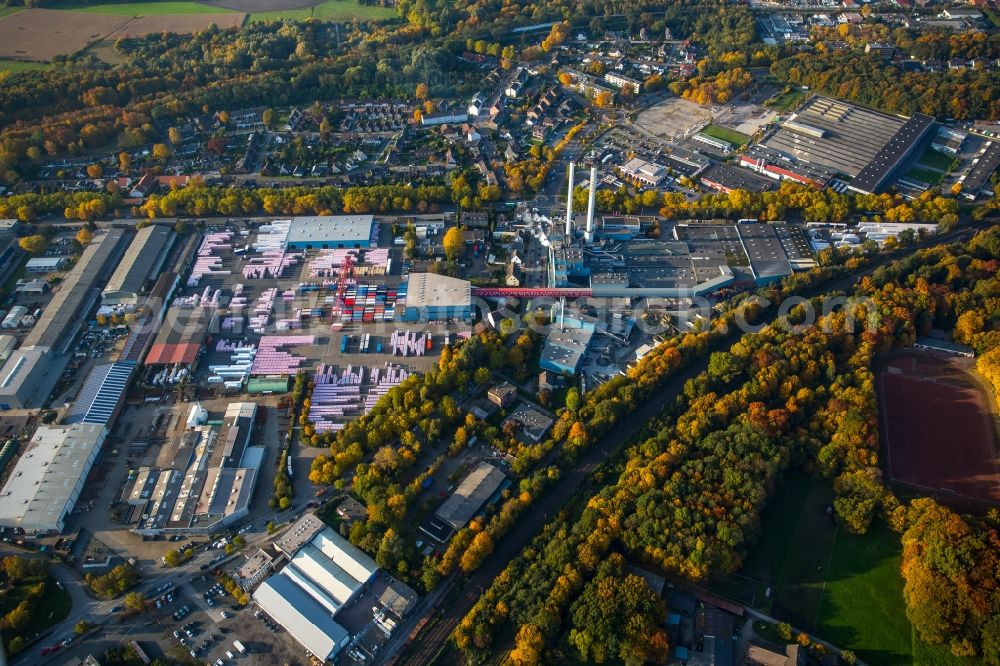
point(826, 136)
point(332, 231)
point(325, 574)
point(47, 480)
point(143, 259)
point(432, 297)
point(31, 372)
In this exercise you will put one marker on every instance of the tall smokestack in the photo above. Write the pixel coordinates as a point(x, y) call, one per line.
point(569, 201)
point(589, 236)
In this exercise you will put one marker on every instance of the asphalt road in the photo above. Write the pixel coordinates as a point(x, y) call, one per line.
point(429, 642)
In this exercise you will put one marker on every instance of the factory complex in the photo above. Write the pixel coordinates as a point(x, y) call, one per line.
point(210, 482)
point(614, 258)
point(827, 139)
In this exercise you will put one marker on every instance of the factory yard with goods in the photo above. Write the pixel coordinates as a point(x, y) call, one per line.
point(205, 369)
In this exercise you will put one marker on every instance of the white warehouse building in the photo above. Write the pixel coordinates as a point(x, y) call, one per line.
point(325, 573)
point(48, 479)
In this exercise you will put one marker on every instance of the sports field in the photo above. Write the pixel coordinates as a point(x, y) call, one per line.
point(842, 587)
point(725, 134)
point(938, 428)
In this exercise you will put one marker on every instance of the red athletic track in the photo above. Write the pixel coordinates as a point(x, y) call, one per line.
point(938, 428)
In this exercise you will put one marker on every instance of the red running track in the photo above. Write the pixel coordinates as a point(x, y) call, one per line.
point(938, 428)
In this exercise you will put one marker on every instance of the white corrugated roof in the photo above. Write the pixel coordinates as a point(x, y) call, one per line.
point(326, 573)
point(308, 622)
point(346, 555)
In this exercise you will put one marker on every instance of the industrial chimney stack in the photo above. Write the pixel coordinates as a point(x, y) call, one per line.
point(589, 236)
point(569, 201)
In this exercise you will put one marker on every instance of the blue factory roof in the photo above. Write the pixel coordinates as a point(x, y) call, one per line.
point(101, 393)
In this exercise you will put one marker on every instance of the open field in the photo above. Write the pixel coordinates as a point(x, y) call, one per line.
point(862, 601)
point(41, 34)
point(845, 588)
point(179, 23)
point(167, 7)
point(328, 10)
point(725, 134)
point(938, 428)
point(673, 117)
point(21, 66)
point(787, 101)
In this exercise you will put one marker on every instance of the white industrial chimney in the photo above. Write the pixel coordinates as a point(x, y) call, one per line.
point(589, 236)
point(569, 201)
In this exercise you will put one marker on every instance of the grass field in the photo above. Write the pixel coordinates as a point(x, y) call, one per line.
point(21, 66)
point(926, 175)
point(844, 588)
point(862, 601)
point(787, 101)
point(153, 8)
point(329, 10)
point(725, 134)
point(6, 11)
point(937, 160)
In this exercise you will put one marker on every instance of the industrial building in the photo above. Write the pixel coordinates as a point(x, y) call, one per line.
point(70, 305)
point(566, 344)
point(47, 480)
point(210, 484)
point(7, 344)
point(44, 265)
point(325, 574)
point(825, 137)
point(143, 259)
point(614, 260)
point(331, 232)
point(432, 297)
point(977, 181)
point(476, 489)
point(725, 178)
point(180, 338)
point(27, 378)
point(102, 394)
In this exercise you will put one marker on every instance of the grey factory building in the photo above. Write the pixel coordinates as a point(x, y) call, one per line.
point(143, 259)
point(29, 375)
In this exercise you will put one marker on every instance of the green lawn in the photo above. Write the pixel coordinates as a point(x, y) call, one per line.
point(805, 542)
point(764, 567)
point(844, 588)
point(862, 602)
point(925, 175)
point(7, 11)
point(329, 10)
point(725, 134)
point(787, 101)
point(153, 8)
point(21, 66)
point(52, 608)
point(937, 160)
